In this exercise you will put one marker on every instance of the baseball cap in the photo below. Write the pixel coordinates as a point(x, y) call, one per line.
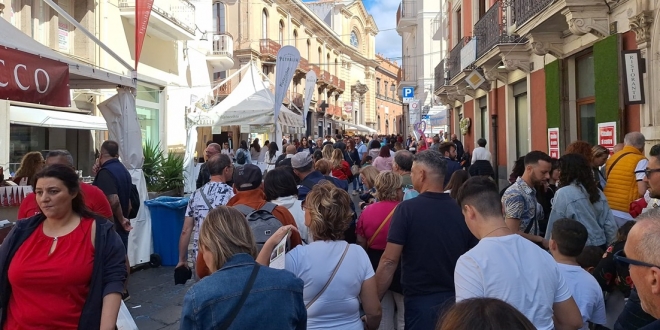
point(301, 159)
point(247, 177)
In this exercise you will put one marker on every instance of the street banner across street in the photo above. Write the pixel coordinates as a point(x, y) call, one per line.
point(310, 83)
point(287, 61)
point(142, 14)
point(29, 78)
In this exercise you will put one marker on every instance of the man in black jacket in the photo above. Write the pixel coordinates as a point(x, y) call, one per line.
point(459, 146)
point(204, 177)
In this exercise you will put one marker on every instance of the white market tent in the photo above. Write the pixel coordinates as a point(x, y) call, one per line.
point(357, 127)
point(250, 103)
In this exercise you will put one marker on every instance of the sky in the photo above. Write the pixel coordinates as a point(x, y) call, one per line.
point(388, 41)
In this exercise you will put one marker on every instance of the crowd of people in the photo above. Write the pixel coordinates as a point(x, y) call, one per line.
point(380, 233)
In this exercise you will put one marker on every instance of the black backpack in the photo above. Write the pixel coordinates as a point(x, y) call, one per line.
point(262, 222)
point(134, 202)
point(241, 157)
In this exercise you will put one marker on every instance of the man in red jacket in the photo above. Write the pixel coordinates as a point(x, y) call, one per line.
point(94, 198)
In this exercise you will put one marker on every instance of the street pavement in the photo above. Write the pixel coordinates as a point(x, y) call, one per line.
point(156, 302)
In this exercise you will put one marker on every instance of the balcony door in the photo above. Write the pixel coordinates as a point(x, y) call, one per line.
point(264, 24)
point(219, 18)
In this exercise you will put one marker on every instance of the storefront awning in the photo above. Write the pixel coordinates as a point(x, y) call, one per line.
point(59, 119)
point(82, 75)
point(356, 127)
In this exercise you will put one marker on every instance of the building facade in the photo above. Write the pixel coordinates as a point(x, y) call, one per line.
point(534, 72)
point(335, 39)
point(416, 22)
point(389, 109)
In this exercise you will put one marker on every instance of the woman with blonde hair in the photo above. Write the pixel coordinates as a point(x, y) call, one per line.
point(31, 163)
point(337, 275)
point(237, 281)
point(327, 152)
point(323, 166)
point(372, 228)
point(368, 176)
point(340, 168)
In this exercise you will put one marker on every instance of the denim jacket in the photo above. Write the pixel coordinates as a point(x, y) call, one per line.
point(275, 300)
point(572, 202)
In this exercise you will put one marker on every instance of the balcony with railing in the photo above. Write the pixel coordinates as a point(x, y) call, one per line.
point(298, 100)
point(170, 20)
point(221, 57)
point(408, 73)
point(303, 66)
point(342, 86)
point(490, 30)
point(269, 48)
point(440, 26)
point(454, 61)
point(439, 76)
point(557, 16)
point(316, 70)
point(223, 91)
point(406, 16)
point(323, 78)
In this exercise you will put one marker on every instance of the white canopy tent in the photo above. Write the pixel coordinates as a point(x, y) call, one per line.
point(357, 127)
point(250, 103)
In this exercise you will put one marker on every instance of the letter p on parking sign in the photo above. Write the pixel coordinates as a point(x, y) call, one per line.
point(408, 93)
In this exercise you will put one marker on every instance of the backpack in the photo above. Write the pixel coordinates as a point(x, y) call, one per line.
point(262, 222)
point(134, 202)
point(241, 157)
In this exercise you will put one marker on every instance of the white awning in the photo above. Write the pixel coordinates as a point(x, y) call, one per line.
point(356, 127)
point(60, 119)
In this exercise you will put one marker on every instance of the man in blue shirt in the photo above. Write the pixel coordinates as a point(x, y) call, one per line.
point(448, 151)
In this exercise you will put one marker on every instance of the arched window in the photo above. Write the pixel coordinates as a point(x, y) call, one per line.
point(327, 63)
point(264, 24)
point(320, 58)
point(219, 18)
point(336, 67)
point(295, 38)
point(281, 33)
point(309, 49)
point(355, 42)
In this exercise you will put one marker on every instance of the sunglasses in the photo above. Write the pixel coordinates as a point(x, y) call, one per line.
point(620, 258)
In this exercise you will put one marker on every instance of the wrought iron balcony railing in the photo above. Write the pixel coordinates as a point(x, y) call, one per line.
point(439, 75)
point(454, 62)
point(524, 10)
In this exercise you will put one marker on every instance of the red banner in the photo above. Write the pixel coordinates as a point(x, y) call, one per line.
point(29, 78)
point(142, 14)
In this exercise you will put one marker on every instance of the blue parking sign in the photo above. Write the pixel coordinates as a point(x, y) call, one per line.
point(408, 92)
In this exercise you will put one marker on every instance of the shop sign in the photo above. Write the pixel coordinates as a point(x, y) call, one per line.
point(348, 107)
point(29, 78)
point(633, 84)
point(553, 142)
point(607, 135)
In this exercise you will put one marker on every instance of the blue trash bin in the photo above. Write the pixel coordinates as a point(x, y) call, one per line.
point(167, 214)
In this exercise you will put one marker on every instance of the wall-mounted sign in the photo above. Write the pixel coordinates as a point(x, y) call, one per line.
point(475, 79)
point(607, 135)
point(468, 54)
point(348, 107)
point(553, 142)
point(633, 92)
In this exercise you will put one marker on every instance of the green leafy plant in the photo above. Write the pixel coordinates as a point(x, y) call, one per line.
point(171, 173)
point(153, 160)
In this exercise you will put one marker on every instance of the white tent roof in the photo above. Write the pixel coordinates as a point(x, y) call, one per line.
point(357, 127)
point(81, 75)
point(250, 103)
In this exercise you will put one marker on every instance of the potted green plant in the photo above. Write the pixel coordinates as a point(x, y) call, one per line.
point(164, 174)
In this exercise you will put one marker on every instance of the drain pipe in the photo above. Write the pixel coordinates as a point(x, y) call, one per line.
point(494, 144)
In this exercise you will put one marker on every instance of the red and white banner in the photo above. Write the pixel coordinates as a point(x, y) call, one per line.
point(142, 14)
point(607, 135)
point(29, 78)
point(553, 142)
point(348, 107)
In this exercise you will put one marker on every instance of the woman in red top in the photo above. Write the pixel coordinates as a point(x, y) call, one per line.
point(372, 228)
point(66, 263)
point(340, 168)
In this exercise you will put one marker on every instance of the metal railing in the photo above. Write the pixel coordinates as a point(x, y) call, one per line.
point(489, 29)
point(268, 47)
point(524, 10)
point(454, 62)
point(408, 8)
point(223, 45)
point(439, 75)
point(408, 69)
point(179, 12)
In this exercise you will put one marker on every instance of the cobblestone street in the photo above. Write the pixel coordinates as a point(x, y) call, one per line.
point(155, 301)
